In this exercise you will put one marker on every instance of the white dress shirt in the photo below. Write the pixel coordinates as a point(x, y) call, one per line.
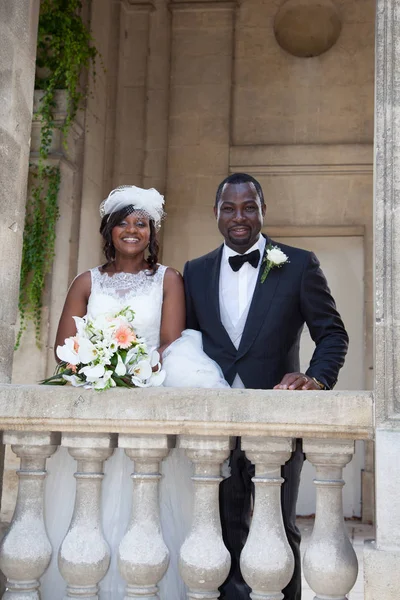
point(236, 288)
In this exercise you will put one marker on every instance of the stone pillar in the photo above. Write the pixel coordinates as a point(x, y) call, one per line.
point(130, 126)
point(99, 144)
point(382, 556)
point(267, 572)
point(18, 34)
point(84, 555)
point(330, 562)
point(199, 124)
point(25, 551)
point(204, 560)
point(143, 556)
point(158, 79)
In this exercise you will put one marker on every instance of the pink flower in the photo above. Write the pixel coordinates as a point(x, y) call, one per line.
point(124, 336)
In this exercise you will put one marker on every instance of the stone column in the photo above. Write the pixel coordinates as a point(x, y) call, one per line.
point(25, 551)
point(18, 34)
point(130, 126)
point(267, 571)
point(199, 124)
point(382, 556)
point(143, 556)
point(84, 555)
point(330, 562)
point(158, 80)
point(99, 141)
point(204, 560)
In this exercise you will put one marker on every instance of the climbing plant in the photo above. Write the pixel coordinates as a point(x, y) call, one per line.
point(65, 47)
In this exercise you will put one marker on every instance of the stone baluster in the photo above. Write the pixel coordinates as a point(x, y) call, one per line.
point(204, 560)
point(84, 555)
point(143, 556)
point(25, 551)
point(330, 563)
point(267, 560)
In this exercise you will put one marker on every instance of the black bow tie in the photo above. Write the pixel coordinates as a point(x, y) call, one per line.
point(238, 260)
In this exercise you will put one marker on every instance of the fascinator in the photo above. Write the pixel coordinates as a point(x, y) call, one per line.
point(149, 202)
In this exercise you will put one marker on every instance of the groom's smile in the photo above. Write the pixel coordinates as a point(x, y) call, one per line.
point(240, 215)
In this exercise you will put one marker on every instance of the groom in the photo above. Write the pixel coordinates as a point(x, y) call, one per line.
point(252, 329)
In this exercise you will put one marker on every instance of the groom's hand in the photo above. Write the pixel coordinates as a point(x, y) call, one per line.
point(296, 381)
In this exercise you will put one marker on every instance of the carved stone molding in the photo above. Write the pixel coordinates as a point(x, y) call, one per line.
point(202, 6)
point(387, 214)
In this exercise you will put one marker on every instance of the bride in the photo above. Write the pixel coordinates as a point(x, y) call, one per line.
point(132, 277)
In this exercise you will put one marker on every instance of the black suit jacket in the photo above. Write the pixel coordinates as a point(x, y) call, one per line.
point(292, 295)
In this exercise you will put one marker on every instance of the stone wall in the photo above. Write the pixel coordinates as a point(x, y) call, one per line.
point(18, 34)
point(283, 99)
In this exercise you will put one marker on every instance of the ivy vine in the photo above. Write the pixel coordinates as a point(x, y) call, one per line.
point(65, 47)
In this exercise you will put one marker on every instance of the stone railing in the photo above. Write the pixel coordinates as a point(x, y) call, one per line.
point(147, 423)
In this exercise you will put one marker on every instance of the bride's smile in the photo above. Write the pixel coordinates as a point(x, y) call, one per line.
point(132, 235)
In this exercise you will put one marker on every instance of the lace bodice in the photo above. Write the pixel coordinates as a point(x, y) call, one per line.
point(142, 292)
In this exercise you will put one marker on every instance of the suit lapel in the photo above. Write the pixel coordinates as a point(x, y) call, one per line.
point(214, 268)
point(259, 307)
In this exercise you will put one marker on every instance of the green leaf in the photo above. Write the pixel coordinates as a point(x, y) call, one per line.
point(121, 382)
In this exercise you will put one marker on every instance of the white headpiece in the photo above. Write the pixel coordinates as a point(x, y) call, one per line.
point(150, 202)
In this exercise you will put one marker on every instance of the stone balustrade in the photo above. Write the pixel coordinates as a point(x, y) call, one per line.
point(147, 424)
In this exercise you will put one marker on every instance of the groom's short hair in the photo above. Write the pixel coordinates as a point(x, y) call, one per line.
point(239, 178)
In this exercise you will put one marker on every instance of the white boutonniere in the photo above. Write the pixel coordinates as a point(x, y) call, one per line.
point(273, 257)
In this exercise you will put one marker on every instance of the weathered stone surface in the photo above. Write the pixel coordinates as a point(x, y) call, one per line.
point(382, 557)
point(84, 555)
point(330, 562)
point(143, 556)
point(381, 572)
point(280, 98)
point(18, 33)
point(192, 411)
point(387, 466)
point(25, 550)
point(387, 186)
point(267, 568)
point(198, 150)
point(307, 29)
point(204, 561)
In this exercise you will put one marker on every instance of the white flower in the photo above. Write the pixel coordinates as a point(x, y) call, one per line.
point(74, 380)
point(131, 355)
point(120, 369)
point(155, 359)
point(139, 383)
point(276, 256)
point(69, 352)
point(141, 372)
point(86, 351)
point(80, 323)
point(112, 346)
point(157, 378)
point(104, 382)
point(142, 369)
point(93, 373)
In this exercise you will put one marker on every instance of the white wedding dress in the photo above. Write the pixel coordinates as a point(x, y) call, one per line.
point(186, 365)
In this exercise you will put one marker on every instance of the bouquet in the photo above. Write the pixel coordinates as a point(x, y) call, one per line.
point(105, 353)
